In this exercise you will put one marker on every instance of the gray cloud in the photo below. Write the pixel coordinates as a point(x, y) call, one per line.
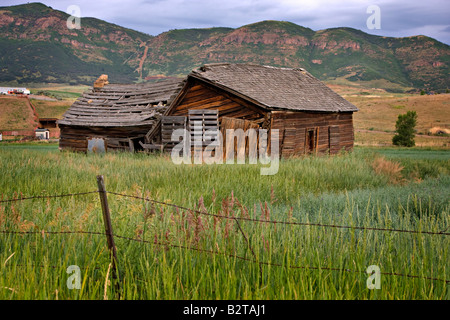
point(398, 18)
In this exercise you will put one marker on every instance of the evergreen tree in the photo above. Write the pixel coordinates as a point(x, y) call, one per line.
point(404, 128)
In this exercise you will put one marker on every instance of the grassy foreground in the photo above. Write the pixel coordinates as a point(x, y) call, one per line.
point(187, 255)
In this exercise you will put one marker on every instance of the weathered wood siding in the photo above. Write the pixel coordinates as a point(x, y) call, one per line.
point(294, 126)
point(203, 96)
point(168, 125)
point(117, 138)
point(236, 124)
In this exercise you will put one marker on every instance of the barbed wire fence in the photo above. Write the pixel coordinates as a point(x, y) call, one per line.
point(110, 235)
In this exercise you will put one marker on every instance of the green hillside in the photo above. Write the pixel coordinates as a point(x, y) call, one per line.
point(37, 46)
point(338, 53)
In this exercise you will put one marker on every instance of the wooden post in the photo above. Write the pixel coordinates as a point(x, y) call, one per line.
point(108, 229)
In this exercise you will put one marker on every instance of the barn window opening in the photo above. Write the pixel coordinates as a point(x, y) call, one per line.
point(133, 144)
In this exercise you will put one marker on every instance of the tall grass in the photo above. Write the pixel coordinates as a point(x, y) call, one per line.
point(68, 172)
point(174, 259)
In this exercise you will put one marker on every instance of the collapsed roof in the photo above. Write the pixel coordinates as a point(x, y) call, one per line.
point(122, 105)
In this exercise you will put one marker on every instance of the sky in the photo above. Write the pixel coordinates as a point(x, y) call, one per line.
point(393, 18)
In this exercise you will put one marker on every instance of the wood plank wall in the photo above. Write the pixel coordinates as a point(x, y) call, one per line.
point(233, 123)
point(75, 138)
point(202, 96)
point(293, 127)
point(168, 125)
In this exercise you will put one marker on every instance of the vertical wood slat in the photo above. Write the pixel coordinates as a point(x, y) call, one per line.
point(209, 121)
point(300, 138)
point(317, 138)
point(334, 139)
point(305, 146)
point(233, 123)
point(290, 141)
point(131, 145)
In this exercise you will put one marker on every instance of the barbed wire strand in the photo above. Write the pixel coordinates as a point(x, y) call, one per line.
point(225, 217)
point(43, 232)
point(217, 252)
point(233, 217)
point(48, 196)
point(276, 264)
point(279, 222)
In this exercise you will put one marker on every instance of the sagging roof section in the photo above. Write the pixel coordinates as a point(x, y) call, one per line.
point(122, 105)
point(274, 88)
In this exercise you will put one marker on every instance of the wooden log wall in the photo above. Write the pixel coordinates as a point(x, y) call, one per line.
point(202, 96)
point(118, 138)
point(294, 126)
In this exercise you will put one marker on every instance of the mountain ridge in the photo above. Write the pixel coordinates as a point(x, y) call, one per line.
point(37, 46)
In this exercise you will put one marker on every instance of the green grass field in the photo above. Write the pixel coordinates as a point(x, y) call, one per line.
point(188, 255)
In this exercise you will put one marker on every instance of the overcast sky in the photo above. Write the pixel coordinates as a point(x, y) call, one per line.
point(398, 18)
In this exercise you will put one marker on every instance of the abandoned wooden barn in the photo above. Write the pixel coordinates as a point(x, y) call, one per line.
point(115, 116)
point(310, 117)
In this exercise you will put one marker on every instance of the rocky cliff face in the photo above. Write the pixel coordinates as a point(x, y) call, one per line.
point(419, 62)
point(36, 45)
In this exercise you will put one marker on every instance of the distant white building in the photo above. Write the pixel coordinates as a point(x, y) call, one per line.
point(14, 90)
point(43, 134)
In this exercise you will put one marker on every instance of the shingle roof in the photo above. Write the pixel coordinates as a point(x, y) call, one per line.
point(274, 88)
point(120, 105)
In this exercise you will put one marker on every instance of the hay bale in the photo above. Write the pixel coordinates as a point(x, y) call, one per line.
point(437, 131)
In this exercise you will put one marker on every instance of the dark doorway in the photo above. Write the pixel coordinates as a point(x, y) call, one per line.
point(311, 140)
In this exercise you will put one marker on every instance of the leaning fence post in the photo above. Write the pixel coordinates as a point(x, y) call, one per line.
point(108, 228)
